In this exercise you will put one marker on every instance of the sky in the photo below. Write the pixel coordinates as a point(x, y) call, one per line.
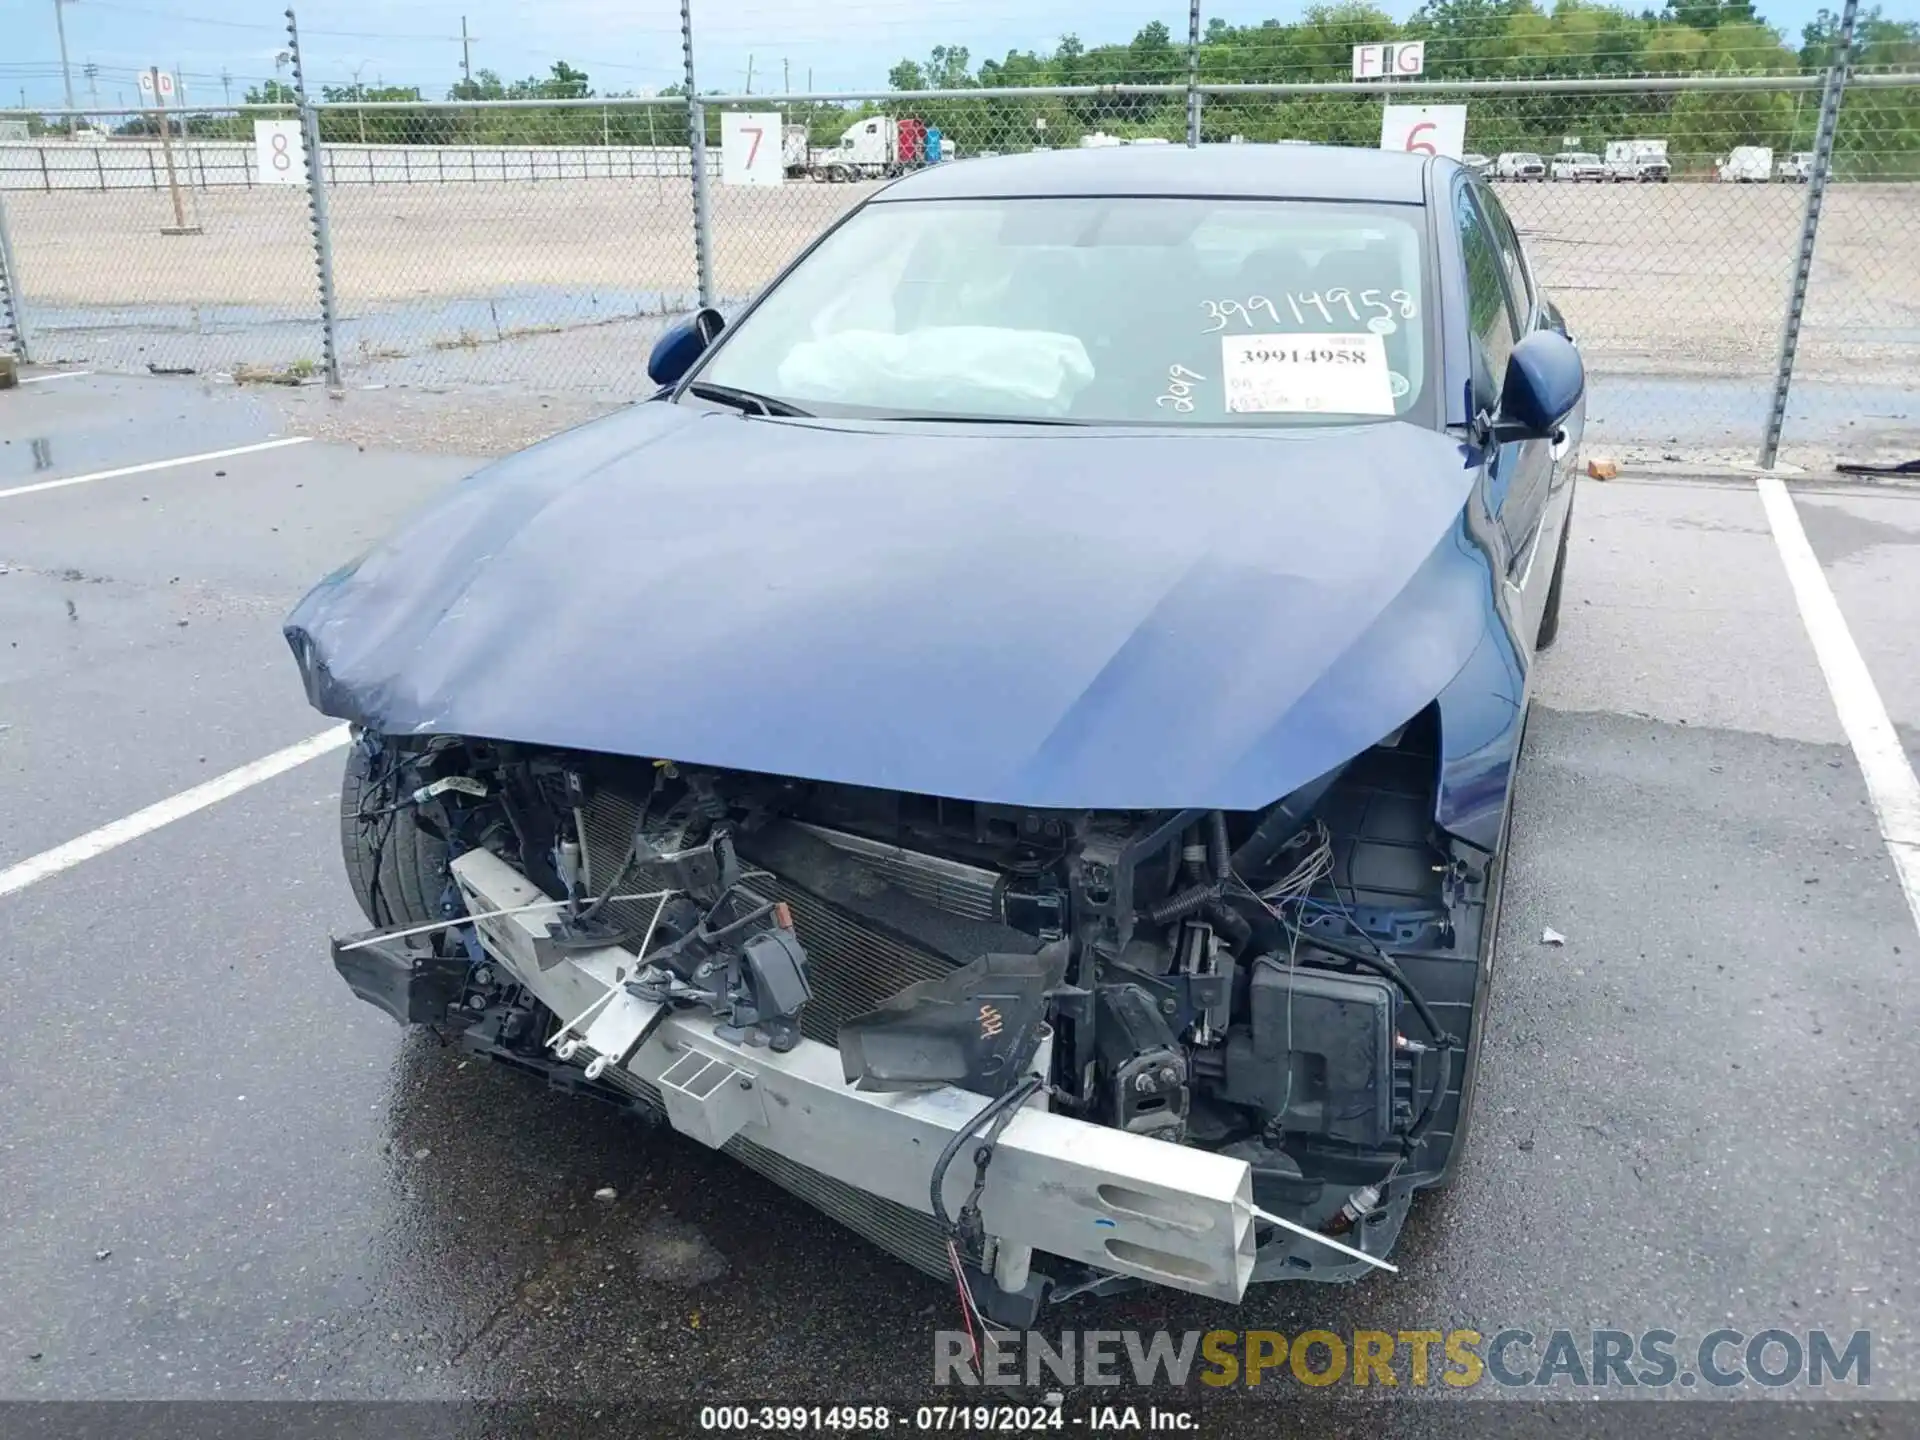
point(621, 44)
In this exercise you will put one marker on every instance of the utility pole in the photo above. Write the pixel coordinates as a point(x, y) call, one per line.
point(92, 72)
point(179, 226)
point(226, 84)
point(786, 76)
point(466, 53)
point(66, 72)
point(749, 75)
point(360, 94)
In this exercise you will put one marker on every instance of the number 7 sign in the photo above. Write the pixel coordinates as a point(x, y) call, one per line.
point(750, 148)
point(1425, 129)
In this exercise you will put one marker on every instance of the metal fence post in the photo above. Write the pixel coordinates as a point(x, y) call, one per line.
point(317, 204)
point(11, 320)
point(1809, 228)
point(697, 151)
point(1193, 73)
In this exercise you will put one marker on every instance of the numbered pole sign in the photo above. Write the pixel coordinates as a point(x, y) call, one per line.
point(1425, 129)
point(279, 153)
point(750, 149)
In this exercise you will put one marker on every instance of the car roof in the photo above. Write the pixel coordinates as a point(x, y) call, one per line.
point(1277, 172)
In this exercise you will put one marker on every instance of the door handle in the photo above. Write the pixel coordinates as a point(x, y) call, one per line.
point(1562, 442)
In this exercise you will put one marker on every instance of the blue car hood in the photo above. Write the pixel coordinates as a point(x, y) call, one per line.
point(1041, 617)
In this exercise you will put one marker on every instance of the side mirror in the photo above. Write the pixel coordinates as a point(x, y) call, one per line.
point(1545, 379)
point(682, 343)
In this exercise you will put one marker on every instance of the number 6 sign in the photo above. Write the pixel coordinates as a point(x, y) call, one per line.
point(1425, 129)
point(279, 154)
point(750, 149)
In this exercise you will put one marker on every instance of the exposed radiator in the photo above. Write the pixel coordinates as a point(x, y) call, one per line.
point(851, 966)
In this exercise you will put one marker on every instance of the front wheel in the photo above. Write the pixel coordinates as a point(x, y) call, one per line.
point(398, 871)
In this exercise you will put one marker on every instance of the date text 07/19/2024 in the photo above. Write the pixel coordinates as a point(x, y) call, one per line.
point(943, 1419)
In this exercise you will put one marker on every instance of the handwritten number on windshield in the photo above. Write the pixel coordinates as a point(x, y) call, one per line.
point(1223, 313)
point(1179, 394)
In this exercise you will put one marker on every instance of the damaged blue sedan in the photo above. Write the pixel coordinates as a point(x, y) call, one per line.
point(1014, 740)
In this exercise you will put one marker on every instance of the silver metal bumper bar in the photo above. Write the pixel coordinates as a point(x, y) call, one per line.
point(1119, 1202)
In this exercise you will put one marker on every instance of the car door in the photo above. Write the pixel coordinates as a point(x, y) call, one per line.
point(1518, 472)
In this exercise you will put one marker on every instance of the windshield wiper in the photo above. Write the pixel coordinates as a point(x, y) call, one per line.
point(745, 400)
point(984, 419)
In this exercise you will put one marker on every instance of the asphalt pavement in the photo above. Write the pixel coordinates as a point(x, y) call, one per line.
point(223, 1177)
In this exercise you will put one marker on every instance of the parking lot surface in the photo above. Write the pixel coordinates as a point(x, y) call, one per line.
point(221, 1176)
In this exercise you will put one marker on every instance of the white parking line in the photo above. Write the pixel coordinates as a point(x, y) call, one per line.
point(63, 375)
point(1891, 783)
point(165, 812)
point(153, 465)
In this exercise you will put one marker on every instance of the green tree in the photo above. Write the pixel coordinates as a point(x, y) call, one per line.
point(485, 85)
point(1711, 14)
point(568, 83)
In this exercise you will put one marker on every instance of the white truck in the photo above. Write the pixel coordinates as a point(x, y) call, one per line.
point(1747, 164)
point(870, 149)
point(1638, 160)
point(1577, 165)
point(1796, 168)
point(1519, 165)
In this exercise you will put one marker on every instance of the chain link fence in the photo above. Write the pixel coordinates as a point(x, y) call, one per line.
point(543, 244)
point(151, 258)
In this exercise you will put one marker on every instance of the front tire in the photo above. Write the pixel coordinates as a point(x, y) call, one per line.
point(398, 871)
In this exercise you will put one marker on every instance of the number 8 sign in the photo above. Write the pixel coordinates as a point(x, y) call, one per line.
point(1425, 129)
point(279, 154)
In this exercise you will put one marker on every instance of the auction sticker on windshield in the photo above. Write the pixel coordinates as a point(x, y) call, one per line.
point(1306, 374)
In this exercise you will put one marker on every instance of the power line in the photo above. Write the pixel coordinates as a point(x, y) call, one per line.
point(224, 24)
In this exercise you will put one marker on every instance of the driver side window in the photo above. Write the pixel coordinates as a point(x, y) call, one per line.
point(1490, 315)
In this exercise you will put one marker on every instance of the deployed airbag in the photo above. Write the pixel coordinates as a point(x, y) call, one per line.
point(941, 367)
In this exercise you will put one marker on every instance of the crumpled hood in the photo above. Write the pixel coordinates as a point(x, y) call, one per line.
point(1045, 617)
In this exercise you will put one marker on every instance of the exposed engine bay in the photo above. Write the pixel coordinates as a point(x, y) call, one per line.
point(1292, 989)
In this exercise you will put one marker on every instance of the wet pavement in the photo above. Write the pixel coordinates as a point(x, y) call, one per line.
point(221, 1176)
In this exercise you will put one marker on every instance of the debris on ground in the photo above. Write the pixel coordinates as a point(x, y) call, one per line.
point(1551, 936)
point(1601, 468)
point(606, 1194)
point(1867, 467)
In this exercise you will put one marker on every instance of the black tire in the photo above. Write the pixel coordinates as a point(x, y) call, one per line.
point(398, 871)
point(1550, 615)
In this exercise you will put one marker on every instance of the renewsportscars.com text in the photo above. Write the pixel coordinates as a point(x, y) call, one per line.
point(1411, 1359)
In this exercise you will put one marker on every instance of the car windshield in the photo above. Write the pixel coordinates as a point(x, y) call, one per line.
point(1098, 310)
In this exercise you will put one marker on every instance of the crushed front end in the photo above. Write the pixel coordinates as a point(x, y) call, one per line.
point(1058, 1051)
